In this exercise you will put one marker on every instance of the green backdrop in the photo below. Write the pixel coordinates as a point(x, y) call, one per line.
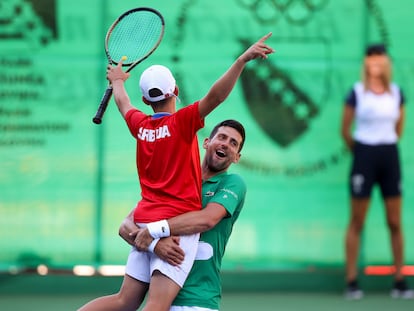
point(66, 183)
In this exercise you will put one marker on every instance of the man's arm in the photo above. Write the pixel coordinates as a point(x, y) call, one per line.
point(197, 221)
point(188, 223)
point(224, 85)
point(167, 249)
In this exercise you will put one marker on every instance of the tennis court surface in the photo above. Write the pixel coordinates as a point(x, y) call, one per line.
point(312, 291)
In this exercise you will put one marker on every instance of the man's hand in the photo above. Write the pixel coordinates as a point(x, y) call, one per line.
point(258, 50)
point(128, 230)
point(169, 250)
point(143, 239)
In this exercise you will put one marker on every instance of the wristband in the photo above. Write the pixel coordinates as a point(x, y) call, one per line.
point(159, 229)
point(151, 247)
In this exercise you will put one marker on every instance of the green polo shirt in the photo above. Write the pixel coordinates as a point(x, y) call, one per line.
point(203, 285)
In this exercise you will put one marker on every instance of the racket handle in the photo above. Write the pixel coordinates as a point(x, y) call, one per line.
point(102, 107)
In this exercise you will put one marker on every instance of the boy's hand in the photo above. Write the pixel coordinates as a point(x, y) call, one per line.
point(114, 73)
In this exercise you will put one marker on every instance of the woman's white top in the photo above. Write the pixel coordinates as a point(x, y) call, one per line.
point(376, 115)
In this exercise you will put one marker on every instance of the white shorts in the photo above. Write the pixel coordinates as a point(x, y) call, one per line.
point(141, 265)
point(182, 308)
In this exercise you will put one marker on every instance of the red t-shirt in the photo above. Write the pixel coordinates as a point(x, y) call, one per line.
point(168, 163)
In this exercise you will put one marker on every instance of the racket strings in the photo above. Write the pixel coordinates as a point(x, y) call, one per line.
point(134, 36)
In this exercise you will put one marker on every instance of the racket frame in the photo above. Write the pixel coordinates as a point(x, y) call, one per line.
point(97, 119)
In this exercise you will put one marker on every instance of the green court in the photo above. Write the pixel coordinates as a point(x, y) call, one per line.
point(310, 291)
point(231, 302)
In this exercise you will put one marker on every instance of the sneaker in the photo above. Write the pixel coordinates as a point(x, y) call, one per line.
point(353, 292)
point(401, 290)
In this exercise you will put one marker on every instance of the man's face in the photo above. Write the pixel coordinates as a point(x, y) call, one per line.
point(222, 149)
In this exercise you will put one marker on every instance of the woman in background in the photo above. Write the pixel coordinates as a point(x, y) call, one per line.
point(374, 108)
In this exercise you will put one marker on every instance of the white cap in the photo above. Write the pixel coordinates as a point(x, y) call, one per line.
point(157, 77)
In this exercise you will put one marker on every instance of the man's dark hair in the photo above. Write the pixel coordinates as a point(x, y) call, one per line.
point(234, 124)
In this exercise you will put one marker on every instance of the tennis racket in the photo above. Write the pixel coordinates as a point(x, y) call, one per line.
point(133, 37)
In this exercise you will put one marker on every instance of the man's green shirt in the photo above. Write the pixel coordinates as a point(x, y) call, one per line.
point(203, 285)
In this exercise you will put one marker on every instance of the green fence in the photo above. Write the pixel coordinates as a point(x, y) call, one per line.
point(66, 183)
